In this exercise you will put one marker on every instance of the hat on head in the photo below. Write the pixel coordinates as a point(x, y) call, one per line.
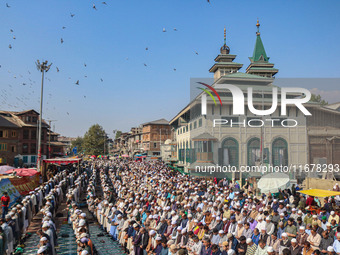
point(249, 240)
point(231, 252)
point(330, 249)
point(270, 249)
point(229, 235)
point(43, 239)
point(293, 240)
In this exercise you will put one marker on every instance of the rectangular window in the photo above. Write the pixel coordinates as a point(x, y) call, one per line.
point(28, 118)
point(195, 124)
point(186, 129)
point(25, 159)
point(26, 134)
point(254, 121)
point(14, 133)
point(277, 122)
point(33, 148)
point(42, 135)
point(33, 159)
point(33, 134)
point(4, 133)
point(34, 119)
point(190, 125)
point(13, 148)
point(200, 123)
point(3, 146)
point(155, 145)
point(25, 148)
point(42, 149)
point(231, 119)
point(212, 109)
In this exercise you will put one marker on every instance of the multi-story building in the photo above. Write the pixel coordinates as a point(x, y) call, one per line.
point(55, 147)
point(20, 137)
point(134, 141)
point(220, 137)
point(67, 142)
point(154, 134)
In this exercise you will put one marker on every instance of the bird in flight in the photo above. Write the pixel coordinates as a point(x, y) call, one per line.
point(7, 5)
point(145, 64)
point(85, 64)
point(24, 84)
point(57, 69)
point(94, 7)
point(104, 3)
point(77, 82)
point(175, 29)
point(61, 40)
point(208, 1)
point(101, 79)
point(146, 48)
point(174, 69)
point(196, 52)
point(11, 30)
point(72, 15)
point(67, 113)
point(14, 37)
point(63, 27)
point(10, 46)
point(164, 30)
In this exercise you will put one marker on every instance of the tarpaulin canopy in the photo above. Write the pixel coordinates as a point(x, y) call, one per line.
point(23, 171)
point(273, 182)
point(62, 160)
point(319, 193)
point(3, 169)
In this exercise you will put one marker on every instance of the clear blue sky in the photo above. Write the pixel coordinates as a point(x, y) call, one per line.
point(301, 38)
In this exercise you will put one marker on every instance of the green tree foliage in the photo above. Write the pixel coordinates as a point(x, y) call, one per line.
point(78, 143)
point(94, 140)
point(318, 99)
point(118, 134)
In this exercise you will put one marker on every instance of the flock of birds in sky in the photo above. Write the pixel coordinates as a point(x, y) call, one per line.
point(28, 96)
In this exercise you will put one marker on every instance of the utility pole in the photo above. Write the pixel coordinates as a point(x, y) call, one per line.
point(49, 138)
point(42, 67)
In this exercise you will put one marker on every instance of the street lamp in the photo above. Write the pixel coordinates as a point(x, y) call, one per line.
point(42, 67)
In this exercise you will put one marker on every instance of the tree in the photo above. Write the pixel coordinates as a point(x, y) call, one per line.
point(94, 140)
point(118, 134)
point(78, 143)
point(318, 99)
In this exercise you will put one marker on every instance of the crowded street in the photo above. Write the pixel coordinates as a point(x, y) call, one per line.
point(125, 207)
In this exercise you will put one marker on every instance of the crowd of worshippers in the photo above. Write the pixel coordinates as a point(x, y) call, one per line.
point(151, 209)
point(44, 199)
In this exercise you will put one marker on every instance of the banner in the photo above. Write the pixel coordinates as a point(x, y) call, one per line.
point(25, 184)
point(7, 186)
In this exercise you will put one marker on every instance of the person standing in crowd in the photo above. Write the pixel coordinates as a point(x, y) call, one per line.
point(5, 201)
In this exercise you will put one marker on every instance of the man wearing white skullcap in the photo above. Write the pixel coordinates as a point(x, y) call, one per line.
point(295, 249)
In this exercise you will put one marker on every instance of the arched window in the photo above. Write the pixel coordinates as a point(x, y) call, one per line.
point(230, 152)
point(280, 152)
point(253, 151)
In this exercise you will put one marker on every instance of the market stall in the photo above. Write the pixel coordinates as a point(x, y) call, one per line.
point(58, 161)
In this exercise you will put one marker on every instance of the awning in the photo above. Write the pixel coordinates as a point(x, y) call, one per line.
point(319, 193)
point(23, 171)
point(62, 160)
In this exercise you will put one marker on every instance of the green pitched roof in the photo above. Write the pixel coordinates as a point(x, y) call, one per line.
point(259, 51)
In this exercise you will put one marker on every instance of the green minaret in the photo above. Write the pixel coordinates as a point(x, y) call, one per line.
point(259, 62)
